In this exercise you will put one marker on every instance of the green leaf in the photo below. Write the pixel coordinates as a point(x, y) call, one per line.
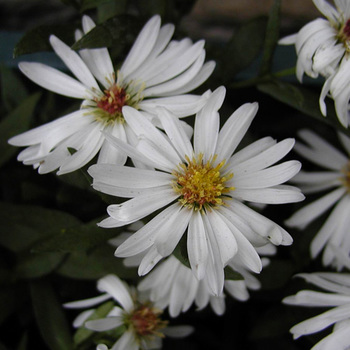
point(81, 238)
point(34, 265)
point(111, 8)
point(15, 123)
point(90, 4)
point(83, 334)
point(49, 316)
point(23, 343)
point(271, 37)
point(22, 225)
point(37, 39)
point(12, 93)
point(303, 99)
point(96, 264)
point(112, 33)
point(232, 275)
point(243, 48)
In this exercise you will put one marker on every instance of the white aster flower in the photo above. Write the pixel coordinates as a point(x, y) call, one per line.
point(333, 236)
point(323, 47)
point(156, 72)
point(171, 284)
point(201, 189)
point(337, 296)
point(140, 322)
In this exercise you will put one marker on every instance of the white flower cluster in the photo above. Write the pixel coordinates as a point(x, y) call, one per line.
point(188, 189)
point(323, 48)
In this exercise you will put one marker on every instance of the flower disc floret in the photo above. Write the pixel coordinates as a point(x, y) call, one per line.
point(344, 35)
point(346, 176)
point(201, 183)
point(145, 321)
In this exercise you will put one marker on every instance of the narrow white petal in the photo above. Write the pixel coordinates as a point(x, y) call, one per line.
point(176, 133)
point(141, 206)
point(320, 322)
point(339, 340)
point(124, 176)
point(87, 302)
point(207, 125)
point(126, 341)
point(104, 324)
point(225, 239)
point(144, 238)
point(142, 47)
point(149, 261)
point(82, 317)
point(272, 195)
point(310, 212)
point(198, 80)
point(53, 80)
point(262, 159)
point(178, 331)
point(73, 61)
point(272, 176)
point(170, 234)
point(235, 128)
point(197, 245)
point(288, 40)
point(112, 285)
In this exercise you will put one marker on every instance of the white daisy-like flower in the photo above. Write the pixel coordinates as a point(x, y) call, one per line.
point(336, 296)
point(140, 320)
point(201, 188)
point(171, 284)
point(333, 236)
point(323, 48)
point(156, 72)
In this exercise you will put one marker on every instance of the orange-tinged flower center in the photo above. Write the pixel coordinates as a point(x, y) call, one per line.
point(346, 178)
point(113, 100)
point(201, 183)
point(146, 321)
point(344, 35)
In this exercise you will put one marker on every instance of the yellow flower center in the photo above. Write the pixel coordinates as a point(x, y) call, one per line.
point(109, 105)
point(346, 178)
point(146, 321)
point(344, 35)
point(201, 183)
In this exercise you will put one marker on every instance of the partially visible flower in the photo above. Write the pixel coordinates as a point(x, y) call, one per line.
point(202, 188)
point(333, 236)
point(171, 284)
point(336, 296)
point(323, 48)
point(139, 321)
point(156, 72)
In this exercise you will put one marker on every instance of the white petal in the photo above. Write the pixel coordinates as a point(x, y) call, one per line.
point(142, 47)
point(73, 61)
point(104, 324)
point(144, 238)
point(87, 302)
point(141, 206)
point(53, 80)
point(207, 125)
point(112, 285)
point(235, 128)
point(272, 176)
point(176, 133)
point(225, 239)
point(178, 331)
point(149, 261)
point(170, 234)
point(272, 195)
point(310, 212)
point(82, 317)
point(126, 341)
point(197, 245)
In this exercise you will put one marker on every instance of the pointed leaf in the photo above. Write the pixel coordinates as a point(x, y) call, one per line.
point(50, 317)
point(243, 48)
point(37, 39)
point(271, 37)
point(15, 123)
